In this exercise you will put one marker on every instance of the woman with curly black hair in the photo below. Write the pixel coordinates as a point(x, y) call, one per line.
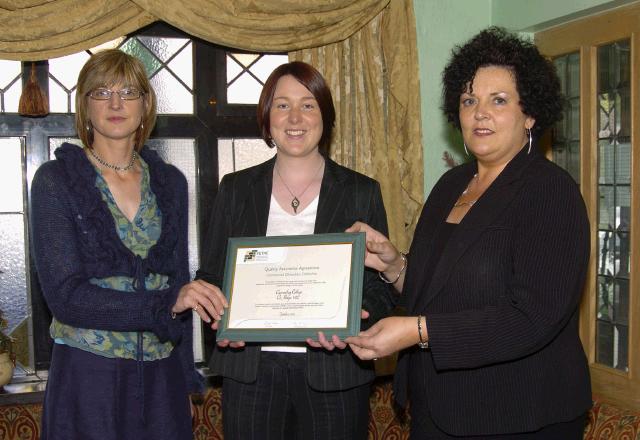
point(490, 346)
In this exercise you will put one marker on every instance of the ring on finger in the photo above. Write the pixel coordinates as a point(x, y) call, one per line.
point(195, 309)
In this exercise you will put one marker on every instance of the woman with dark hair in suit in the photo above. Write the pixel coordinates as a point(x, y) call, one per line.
point(318, 389)
point(490, 346)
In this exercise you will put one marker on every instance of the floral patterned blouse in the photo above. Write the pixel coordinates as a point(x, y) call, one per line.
point(138, 236)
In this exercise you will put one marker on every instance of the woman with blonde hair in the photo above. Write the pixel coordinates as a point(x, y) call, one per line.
point(109, 223)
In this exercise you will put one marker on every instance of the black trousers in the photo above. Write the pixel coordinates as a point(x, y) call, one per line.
point(281, 405)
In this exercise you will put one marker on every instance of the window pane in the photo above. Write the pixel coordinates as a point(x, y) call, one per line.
point(238, 154)
point(58, 98)
point(10, 85)
point(573, 75)
point(614, 204)
point(9, 71)
point(13, 276)
point(266, 64)
point(245, 80)
point(234, 68)
point(66, 69)
point(245, 59)
point(13, 285)
point(113, 44)
point(12, 97)
point(150, 62)
point(244, 90)
point(11, 196)
point(182, 65)
point(182, 154)
point(163, 48)
point(566, 133)
point(173, 97)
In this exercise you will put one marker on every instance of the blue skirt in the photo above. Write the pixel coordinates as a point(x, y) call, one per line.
point(93, 397)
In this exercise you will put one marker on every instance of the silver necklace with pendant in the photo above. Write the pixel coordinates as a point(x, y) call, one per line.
point(295, 202)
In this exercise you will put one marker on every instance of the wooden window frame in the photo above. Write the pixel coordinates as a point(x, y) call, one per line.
point(586, 35)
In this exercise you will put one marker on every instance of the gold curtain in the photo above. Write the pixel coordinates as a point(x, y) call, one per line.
point(365, 48)
point(373, 76)
point(41, 29)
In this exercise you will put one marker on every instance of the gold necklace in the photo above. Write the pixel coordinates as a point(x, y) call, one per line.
point(466, 190)
point(295, 202)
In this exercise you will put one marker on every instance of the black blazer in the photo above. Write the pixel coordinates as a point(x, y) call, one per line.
point(241, 209)
point(502, 305)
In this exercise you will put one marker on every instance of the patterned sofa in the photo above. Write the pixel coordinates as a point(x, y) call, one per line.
point(21, 422)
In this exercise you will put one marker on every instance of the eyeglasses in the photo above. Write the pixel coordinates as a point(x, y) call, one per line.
point(102, 94)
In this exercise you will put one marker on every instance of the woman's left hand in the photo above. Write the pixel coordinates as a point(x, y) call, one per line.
point(385, 337)
point(205, 299)
point(335, 341)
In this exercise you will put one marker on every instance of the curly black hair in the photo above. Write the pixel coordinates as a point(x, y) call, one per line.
point(536, 80)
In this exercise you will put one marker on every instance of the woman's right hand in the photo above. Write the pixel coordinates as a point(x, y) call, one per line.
point(205, 299)
point(381, 255)
point(386, 336)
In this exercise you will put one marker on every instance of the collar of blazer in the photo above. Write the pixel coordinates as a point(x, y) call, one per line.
point(484, 213)
point(331, 191)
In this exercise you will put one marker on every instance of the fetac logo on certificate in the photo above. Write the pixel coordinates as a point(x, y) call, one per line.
point(268, 255)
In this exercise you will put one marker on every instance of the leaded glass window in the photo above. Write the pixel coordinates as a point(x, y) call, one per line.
point(167, 61)
point(614, 204)
point(10, 86)
point(247, 73)
point(566, 134)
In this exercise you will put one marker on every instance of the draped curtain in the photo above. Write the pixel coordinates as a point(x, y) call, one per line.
point(366, 49)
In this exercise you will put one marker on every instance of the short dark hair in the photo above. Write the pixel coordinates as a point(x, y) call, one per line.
point(536, 80)
point(309, 77)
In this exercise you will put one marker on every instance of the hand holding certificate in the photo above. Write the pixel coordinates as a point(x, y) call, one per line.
point(289, 288)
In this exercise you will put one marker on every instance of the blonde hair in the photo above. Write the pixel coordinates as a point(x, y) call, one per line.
point(106, 69)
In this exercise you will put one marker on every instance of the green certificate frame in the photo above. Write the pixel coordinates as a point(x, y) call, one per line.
point(287, 288)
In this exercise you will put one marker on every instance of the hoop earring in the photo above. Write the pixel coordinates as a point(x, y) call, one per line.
point(530, 139)
point(465, 148)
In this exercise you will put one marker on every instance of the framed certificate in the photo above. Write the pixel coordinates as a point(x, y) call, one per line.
point(287, 288)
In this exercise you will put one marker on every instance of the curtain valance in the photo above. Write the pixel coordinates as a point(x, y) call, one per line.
point(41, 29)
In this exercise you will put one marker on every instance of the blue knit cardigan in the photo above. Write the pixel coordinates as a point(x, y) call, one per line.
point(75, 239)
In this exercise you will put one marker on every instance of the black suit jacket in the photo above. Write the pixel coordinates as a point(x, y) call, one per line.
point(241, 209)
point(502, 304)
